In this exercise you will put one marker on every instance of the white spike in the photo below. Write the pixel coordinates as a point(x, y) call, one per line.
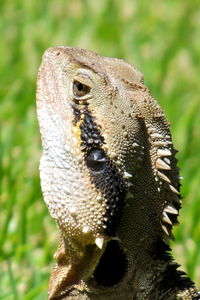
point(171, 210)
point(112, 155)
point(166, 160)
point(165, 229)
point(164, 177)
point(99, 198)
point(151, 129)
point(156, 136)
point(181, 177)
point(127, 175)
point(72, 211)
point(99, 242)
point(118, 162)
point(129, 184)
point(173, 189)
point(135, 145)
point(160, 143)
point(163, 152)
point(166, 219)
point(85, 229)
point(160, 164)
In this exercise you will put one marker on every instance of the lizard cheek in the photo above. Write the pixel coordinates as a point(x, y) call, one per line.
point(107, 180)
point(96, 160)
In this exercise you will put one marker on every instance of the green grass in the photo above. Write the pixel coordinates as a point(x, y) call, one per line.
point(161, 38)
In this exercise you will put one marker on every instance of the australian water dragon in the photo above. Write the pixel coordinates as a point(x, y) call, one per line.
point(110, 180)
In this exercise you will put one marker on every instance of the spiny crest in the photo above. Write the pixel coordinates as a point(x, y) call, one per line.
point(164, 154)
point(168, 221)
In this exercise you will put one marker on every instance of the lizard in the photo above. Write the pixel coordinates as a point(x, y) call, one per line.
point(110, 179)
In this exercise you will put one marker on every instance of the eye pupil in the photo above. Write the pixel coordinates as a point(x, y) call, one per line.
point(80, 89)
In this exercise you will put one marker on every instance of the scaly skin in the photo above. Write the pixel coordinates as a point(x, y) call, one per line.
point(109, 178)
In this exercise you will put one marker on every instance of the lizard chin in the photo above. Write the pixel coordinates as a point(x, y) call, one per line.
point(103, 267)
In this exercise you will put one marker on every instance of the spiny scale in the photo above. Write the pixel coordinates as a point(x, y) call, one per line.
point(165, 229)
point(150, 129)
point(99, 242)
point(160, 164)
point(171, 210)
point(164, 177)
point(160, 143)
point(127, 175)
point(173, 189)
point(156, 136)
point(86, 229)
point(166, 218)
point(163, 152)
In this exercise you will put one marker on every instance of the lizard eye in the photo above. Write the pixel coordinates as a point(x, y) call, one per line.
point(80, 89)
point(96, 160)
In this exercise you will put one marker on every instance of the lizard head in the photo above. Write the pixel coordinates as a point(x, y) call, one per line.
point(108, 166)
point(88, 133)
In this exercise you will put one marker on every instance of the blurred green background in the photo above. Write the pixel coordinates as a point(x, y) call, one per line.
point(162, 39)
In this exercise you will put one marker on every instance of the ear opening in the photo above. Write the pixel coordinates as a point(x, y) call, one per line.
point(112, 265)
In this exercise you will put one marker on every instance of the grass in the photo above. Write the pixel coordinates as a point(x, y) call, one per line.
point(162, 39)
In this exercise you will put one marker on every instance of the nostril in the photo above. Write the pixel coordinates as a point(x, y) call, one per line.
point(58, 53)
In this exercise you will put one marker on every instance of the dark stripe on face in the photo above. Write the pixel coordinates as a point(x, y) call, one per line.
point(107, 179)
point(104, 174)
point(90, 133)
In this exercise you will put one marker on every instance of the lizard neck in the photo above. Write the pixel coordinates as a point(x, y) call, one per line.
point(152, 272)
point(132, 267)
point(120, 276)
point(156, 275)
point(148, 274)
